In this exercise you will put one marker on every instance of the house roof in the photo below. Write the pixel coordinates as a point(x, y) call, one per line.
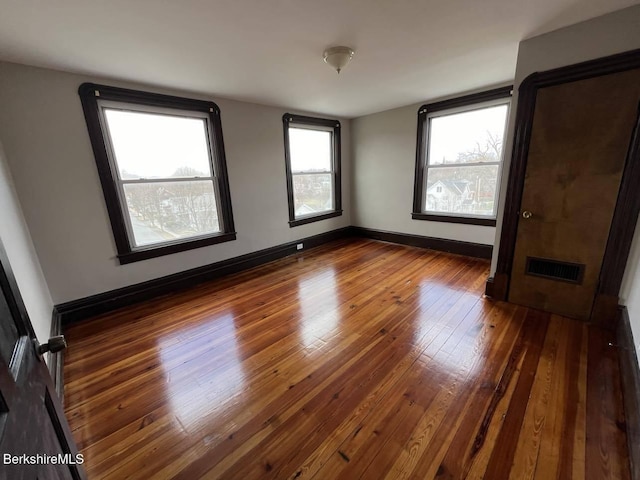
point(456, 186)
point(271, 52)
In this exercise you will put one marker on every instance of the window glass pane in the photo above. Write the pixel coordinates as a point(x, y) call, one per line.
point(312, 194)
point(467, 137)
point(148, 145)
point(462, 190)
point(310, 150)
point(169, 211)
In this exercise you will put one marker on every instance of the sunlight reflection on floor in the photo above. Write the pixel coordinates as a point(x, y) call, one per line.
point(192, 393)
point(318, 319)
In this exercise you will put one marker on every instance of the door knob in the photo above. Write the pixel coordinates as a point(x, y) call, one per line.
point(55, 344)
point(527, 214)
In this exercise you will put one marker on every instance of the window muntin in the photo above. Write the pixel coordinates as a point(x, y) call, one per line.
point(312, 153)
point(162, 168)
point(459, 159)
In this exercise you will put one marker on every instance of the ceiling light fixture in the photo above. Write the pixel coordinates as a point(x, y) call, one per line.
point(338, 57)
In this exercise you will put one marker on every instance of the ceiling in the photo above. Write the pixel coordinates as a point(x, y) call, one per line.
point(270, 52)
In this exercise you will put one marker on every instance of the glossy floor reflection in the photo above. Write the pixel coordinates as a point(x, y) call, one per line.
point(319, 315)
point(358, 359)
point(212, 388)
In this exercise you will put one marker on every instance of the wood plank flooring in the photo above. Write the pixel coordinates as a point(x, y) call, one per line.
point(357, 359)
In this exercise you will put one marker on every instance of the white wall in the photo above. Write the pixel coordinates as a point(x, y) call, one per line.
point(613, 33)
point(50, 157)
point(384, 156)
point(22, 256)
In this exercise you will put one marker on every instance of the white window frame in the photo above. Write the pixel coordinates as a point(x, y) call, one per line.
point(426, 114)
point(129, 107)
point(95, 99)
point(316, 124)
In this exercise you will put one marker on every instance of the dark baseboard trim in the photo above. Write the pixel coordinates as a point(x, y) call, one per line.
point(77, 310)
point(630, 375)
point(56, 360)
point(452, 246)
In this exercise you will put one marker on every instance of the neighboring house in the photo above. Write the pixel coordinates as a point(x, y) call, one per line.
point(449, 195)
point(304, 209)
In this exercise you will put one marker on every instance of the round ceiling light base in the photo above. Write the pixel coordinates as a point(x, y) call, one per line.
point(338, 57)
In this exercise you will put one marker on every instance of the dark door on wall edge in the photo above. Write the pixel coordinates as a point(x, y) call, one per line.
point(35, 439)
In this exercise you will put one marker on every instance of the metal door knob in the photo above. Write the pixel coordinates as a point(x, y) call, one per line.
point(55, 344)
point(527, 214)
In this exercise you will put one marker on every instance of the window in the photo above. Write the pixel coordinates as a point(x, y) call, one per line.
point(162, 167)
point(459, 158)
point(312, 156)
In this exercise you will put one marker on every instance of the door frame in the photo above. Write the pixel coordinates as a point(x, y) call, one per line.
point(627, 206)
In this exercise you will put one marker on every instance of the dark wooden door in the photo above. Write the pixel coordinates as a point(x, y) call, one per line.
point(579, 141)
point(32, 421)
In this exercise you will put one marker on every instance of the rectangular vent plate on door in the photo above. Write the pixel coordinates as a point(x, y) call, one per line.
point(555, 270)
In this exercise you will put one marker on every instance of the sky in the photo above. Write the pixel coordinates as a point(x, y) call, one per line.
point(457, 133)
point(310, 149)
point(154, 146)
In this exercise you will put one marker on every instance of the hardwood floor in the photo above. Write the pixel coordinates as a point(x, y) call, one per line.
point(358, 359)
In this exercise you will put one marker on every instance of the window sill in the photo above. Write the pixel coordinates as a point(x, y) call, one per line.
point(159, 251)
point(315, 218)
point(486, 222)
